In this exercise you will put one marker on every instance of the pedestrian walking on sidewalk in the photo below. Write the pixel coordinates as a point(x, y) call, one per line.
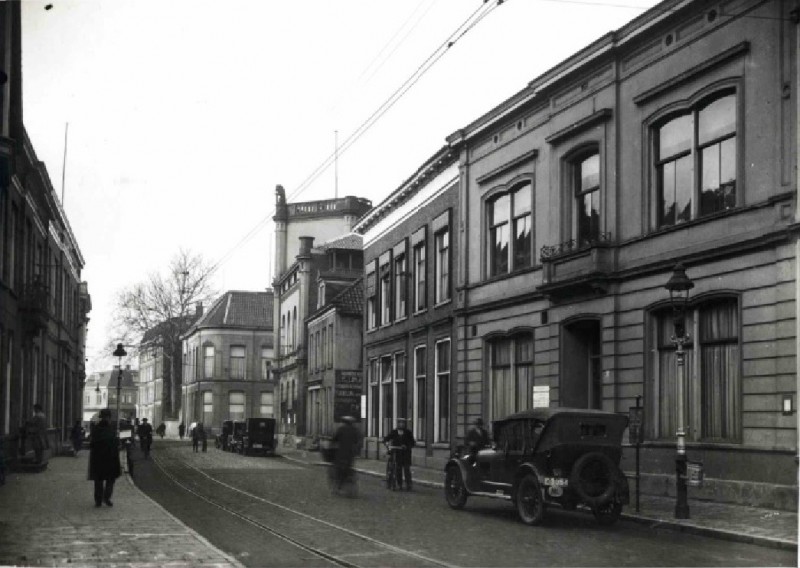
point(76, 435)
point(104, 465)
point(37, 432)
point(196, 437)
point(181, 430)
point(161, 430)
point(145, 437)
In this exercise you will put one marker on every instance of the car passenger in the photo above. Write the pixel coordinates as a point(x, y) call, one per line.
point(476, 439)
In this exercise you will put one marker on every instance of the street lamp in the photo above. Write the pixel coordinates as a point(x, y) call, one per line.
point(120, 353)
point(679, 285)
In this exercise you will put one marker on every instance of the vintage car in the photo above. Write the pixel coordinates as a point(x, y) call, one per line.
point(543, 457)
point(253, 434)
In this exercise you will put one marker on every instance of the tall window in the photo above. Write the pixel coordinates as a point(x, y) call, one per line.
point(442, 282)
point(511, 374)
point(442, 392)
point(324, 347)
point(400, 286)
point(236, 405)
point(266, 407)
point(237, 362)
point(420, 379)
point(386, 294)
point(208, 407)
point(208, 361)
point(331, 343)
point(509, 222)
point(387, 395)
point(419, 276)
point(374, 405)
point(703, 140)
point(401, 392)
point(372, 302)
point(586, 179)
point(711, 363)
point(266, 364)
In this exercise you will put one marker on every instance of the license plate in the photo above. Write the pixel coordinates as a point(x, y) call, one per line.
point(556, 481)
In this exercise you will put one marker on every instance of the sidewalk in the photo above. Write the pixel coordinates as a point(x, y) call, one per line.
point(765, 527)
point(49, 519)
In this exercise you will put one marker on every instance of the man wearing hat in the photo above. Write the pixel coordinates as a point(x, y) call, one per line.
point(476, 439)
point(403, 438)
point(104, 466)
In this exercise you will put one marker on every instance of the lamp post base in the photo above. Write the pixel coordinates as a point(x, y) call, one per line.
point(681, 504)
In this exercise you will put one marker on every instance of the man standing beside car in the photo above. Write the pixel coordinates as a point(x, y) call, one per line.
point(476, 439)
point(403, 438)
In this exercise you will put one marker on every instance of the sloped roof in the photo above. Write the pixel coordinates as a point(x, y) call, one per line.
point(239, 309)
point(350, 301)
point(109, 378)
point(154, 331)
point(351, 241)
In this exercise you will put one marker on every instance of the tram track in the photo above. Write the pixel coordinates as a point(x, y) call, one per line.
point(335, 544)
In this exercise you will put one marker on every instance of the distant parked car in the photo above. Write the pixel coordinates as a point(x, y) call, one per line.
point(545, 457)
point(259, 434)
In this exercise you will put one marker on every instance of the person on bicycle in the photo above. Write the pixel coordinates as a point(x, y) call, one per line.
point(402, 439)
point(346, 440)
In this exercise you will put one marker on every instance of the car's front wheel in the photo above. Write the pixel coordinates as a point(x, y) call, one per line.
point(529, 500)
point(608, 514)
point(454, 490)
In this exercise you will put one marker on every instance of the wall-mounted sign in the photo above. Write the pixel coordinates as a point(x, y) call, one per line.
point(541, 397)
point(348, 387)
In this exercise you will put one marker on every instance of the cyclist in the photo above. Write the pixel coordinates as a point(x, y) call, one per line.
point(402, 439)
point(346, 440)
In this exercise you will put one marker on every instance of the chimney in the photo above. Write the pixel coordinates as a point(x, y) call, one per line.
point(198, 309)
point(305, 246)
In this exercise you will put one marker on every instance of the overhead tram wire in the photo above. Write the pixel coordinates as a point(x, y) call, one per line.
point(468, 24)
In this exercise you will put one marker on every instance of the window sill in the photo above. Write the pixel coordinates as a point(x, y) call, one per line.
point(441, 445)
point(443, 303)
point(420, 312)
point(517, 272)
point(398, 320)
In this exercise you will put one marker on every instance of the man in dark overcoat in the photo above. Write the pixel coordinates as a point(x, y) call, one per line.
point(104, 465)
point(346, 440)
point(402, 440)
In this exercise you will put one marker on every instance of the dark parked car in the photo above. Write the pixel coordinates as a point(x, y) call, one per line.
point(259, 434)
point(544, 457)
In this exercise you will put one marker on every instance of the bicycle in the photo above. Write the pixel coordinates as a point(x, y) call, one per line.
point(391, 467)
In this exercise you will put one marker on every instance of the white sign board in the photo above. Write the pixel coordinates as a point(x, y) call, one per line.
point(541, 397)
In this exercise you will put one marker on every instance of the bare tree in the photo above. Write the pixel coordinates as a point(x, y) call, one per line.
point(154, 314)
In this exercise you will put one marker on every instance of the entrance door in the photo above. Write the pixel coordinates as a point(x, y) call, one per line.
point(581, 368)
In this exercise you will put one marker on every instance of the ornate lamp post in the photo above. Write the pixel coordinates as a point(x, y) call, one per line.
point(120, 353)
point(679, 286)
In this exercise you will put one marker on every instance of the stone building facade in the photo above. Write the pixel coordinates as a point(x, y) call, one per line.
point(673, 139)
point(100, 391)
point(411, 243)
point(44, 303)
point(228, 361)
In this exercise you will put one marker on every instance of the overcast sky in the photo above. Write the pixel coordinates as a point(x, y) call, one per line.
point(184, 115)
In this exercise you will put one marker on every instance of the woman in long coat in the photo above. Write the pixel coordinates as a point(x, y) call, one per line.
point(104, 464)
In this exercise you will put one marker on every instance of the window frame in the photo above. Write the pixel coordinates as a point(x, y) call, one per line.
point(442, 266)
point(509, 223)
point(240, 361)
point(419, 406)
point(441, 435)
point(692, 107)
point(420, 257)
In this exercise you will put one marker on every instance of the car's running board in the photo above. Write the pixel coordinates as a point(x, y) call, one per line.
point(492, 495)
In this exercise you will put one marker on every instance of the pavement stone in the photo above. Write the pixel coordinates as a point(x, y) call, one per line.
point(49, 519)
point(765, 527)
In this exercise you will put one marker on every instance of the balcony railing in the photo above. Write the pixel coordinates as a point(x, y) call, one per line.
point(575, 268)
point(573, 245)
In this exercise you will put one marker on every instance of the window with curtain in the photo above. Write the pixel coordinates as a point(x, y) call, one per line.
point(420, 378)
point(387, 394)
point(712, 394)
point(208, 362)
point(372, 301)
point(442, 391)
point(400, 385)
point(586, 180)
point(511, 374)
point(324, 346)
point(386, 294)
point(374, 409)
point(701, 139)
point(400, 286)
point(331, 343)
point(442, 268)
point(208, 406)
point(509, 230)
point(420, 268)
point(236, 405)
point(267, 405)
point(237, 362)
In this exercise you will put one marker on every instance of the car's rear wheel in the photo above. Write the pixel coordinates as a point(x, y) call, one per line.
point(594, 479)
point(454, 489)
point(529, 500)
point(607, 514)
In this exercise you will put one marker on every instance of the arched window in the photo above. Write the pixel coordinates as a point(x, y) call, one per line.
point(509, 230)
point(695, 160)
